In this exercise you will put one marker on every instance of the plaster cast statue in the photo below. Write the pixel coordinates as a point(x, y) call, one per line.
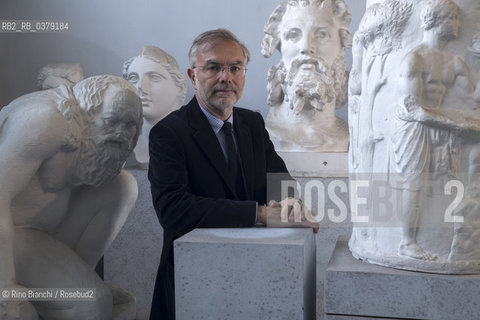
point(64, 195)
point(310, 81)
point(378, 37)
point(415, 113)
point(53, 75)
point(162, 87)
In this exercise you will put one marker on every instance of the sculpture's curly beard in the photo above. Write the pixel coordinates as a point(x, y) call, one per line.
point(100, 159)
point(310, 84)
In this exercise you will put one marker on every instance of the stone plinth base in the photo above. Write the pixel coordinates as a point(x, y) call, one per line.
point(254, 273)
point(357, 289)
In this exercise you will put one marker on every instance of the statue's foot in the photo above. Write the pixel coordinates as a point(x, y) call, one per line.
point(124, 307)
point(413, 250)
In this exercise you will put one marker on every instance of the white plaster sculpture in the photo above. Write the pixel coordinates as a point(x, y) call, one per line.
point(414, 111)
point(53, 75)
point(310, 81)
point(63, 195)
point(162, 87)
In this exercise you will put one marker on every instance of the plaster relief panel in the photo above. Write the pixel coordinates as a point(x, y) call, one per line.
point(414, 115)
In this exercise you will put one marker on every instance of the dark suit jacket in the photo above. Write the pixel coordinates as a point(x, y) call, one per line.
point(191, 187)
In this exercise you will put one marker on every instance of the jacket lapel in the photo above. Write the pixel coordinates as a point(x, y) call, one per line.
point(207, 141)
point(244, 140)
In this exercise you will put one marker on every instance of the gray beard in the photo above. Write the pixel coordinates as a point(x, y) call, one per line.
point(96, 164)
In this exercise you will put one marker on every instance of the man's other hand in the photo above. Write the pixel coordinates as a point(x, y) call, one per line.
point(287, 213)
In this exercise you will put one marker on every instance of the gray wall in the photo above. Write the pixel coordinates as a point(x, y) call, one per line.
point(104, 33)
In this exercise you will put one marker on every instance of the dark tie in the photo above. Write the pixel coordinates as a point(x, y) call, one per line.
point(233, 162)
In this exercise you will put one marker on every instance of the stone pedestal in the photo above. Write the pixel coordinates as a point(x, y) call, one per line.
point(355, 289)
point(327, 170)
point(254, 273)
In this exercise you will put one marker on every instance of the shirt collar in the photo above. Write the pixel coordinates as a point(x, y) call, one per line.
point(216, 123)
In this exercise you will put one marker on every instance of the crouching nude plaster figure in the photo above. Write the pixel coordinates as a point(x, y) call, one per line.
point(63, 193)
point(310, 81)
point(162, 87)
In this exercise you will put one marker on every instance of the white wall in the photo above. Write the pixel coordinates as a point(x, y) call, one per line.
point(104, 33)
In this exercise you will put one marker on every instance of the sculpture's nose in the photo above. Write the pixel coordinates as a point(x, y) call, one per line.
point(306, 46)
point(143, 86)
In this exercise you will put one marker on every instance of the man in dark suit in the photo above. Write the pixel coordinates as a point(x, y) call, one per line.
point(202, 174)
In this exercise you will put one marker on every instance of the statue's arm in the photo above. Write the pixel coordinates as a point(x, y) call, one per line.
point(411, 82)
point(463, 77)
point(355, 81)
point(451, 119)
point(462, 71)
point(412, 104)
point(465, 88)
point(26, 140)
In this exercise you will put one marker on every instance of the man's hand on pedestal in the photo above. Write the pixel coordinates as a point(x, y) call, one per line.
point(287, 213)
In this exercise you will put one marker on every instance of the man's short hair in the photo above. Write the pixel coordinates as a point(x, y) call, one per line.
point(340, 12)
point(210, 38)
point(435, 12)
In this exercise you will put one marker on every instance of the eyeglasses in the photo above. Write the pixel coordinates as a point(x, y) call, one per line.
point(213, 69)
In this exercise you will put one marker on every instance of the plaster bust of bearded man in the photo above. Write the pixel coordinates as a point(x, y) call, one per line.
point(162, 88)
point(310, 81)
point(63, 193)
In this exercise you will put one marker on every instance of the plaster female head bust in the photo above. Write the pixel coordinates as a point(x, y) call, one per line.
point(162, 88)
